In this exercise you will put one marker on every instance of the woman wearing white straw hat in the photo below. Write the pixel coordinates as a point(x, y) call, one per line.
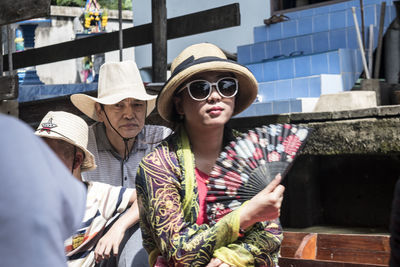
point(67, 135)
point(119, 138)
point(204, 91)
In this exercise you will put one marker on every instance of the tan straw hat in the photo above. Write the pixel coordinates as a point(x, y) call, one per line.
point(117, 81)
point(69, 128)
point(205, 57)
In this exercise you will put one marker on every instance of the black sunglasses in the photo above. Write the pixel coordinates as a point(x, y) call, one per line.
point(200, 90)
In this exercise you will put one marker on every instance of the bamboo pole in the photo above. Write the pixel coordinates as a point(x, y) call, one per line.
point(364, 61)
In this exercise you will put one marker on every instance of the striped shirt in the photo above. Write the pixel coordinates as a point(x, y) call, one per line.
point(111, 168)
point(103, 204)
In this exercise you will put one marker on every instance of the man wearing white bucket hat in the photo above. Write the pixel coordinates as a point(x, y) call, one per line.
point(67, 135)
point(41, 204)
point(119, 139)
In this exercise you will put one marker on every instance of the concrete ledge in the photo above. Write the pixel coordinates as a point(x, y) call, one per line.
point(364, 131)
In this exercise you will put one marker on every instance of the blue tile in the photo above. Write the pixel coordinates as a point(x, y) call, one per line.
point(273, 49)
point(319, 64)
point(346, 60)
point(260, 34)
point(370, 16)
point(267, 90)
point(315, 86)
point(337, 7)
point(305, 13)
point(320, 23)
point(270, 71)
point(283, 89)
point(352, 38)
point(257, 70)
point(322, 10)
point(295, 106)
point(288, 46)
point(334, 62)
point(337, 39)
point(258, 52)
point(263, 109)
point(304, 43)
point(285, 69)
point(305, 26)
point(279, 107)
point(302, 66)
point(300, 87)
point(321, 42)
point(289, 28)
point(274, 31)
point(244, 54)
point(338, 20)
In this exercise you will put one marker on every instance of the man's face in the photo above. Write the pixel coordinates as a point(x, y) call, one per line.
point(64, 151)
point(126, 116)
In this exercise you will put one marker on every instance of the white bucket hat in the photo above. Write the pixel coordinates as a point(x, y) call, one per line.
point(117, 81)
point(69, 128)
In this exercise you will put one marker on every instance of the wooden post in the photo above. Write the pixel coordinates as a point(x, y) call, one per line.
point(120, 35)
point(159, 44)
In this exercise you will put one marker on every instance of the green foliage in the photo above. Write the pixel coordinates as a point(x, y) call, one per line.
point(110, 4)
point(78, 3)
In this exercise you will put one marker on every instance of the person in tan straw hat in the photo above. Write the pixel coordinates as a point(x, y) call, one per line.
point(204, 91)
point(67, 135)
point(119, 138)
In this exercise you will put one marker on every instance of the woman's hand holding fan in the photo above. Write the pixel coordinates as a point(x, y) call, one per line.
point(265, 206)
point(248, 165)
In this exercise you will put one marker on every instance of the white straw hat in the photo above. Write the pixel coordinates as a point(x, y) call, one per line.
point(69, 128)
point(205, 57)
point(117, 81)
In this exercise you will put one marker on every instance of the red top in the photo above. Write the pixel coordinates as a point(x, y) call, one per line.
point(202, 180)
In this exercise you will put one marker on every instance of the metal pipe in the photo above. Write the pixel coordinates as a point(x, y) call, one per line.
point(1, 51)
point(380, 37)
point(370, 47)
point(364, 61)
point(10, 42)
point(120, 29)
point(362, 23)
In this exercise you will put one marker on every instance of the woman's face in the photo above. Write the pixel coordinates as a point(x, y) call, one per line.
point(215, 110)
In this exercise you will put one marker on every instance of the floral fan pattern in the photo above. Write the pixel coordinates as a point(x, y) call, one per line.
point(248, 164)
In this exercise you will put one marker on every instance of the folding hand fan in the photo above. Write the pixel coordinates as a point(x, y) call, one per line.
point(248, 164)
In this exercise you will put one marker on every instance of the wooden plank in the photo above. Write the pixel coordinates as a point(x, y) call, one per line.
point(16, 10)
point(308, 247)
point(291, 242)
point(368, 249)
point(9, 87)
point(291, 262)
point(212, 19)
point(159, 46)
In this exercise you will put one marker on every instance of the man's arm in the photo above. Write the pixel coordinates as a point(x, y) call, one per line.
point(112, 239)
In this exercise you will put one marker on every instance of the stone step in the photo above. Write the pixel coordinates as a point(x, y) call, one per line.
point(279, 107)
point(312, 86)
point(321, 22)
point(303, 44)
point(346, 62)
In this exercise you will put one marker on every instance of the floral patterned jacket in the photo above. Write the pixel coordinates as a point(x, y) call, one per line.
point(169, 206)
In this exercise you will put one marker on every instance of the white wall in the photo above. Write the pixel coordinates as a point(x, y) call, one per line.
point(64, 25)
point(252, 13)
